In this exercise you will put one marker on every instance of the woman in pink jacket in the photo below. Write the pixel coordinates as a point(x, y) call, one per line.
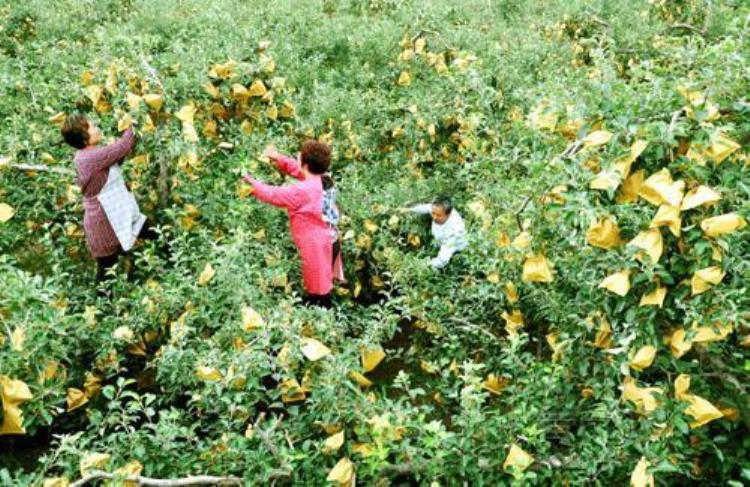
point(313, 216)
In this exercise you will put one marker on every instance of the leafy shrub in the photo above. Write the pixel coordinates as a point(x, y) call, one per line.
point(514, 109)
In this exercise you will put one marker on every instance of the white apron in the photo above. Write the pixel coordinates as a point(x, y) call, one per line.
point(121, 209)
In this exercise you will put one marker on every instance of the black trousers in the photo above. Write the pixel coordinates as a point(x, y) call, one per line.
point(323, 300)
point(105, 264)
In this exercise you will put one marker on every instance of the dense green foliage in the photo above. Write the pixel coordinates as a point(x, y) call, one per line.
point(417, 98)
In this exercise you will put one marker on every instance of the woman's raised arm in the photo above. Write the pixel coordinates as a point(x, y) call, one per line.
point(103, 157)
point(289, 197)
point(286, 164)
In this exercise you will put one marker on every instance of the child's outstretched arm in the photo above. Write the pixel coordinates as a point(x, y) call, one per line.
point(424, 209)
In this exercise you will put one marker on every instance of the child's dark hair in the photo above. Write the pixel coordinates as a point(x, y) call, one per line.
point(444, 202)
point(316, 156)
point(75, 131)
point(327, 182)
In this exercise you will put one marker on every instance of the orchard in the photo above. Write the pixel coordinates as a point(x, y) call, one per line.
point(596, 328)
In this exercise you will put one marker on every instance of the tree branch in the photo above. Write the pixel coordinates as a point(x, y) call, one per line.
point(477, 328)
point(42, 168)
point(657, 116)
point(675, 116)
point(689, 27)
point(603, 23)
point(285, 470)
point(435, 33)
point(723, 370)
point(572, 149)
point(151, 482)
point(151, 71)
point(162, 181)
point(403, 468)
point(726, 374)
point(679, 113)
point(525, 203)
point(520, 211)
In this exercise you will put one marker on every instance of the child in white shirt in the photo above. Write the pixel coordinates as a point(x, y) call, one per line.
point(447, 228)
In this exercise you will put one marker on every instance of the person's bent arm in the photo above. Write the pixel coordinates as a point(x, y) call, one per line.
point(444, 256)
point(104, 157)
point(455, 241)
point(289, 197)
point(286, 164)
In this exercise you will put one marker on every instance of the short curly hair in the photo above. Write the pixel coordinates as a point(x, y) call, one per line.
point(316, 156)
point(75, 131)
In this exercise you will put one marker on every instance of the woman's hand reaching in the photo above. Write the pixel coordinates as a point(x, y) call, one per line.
point(271, 152)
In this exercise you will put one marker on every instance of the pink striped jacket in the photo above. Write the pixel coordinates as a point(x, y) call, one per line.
point(92, 166)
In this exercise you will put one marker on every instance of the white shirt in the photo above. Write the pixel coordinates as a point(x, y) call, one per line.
point(450, 236)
